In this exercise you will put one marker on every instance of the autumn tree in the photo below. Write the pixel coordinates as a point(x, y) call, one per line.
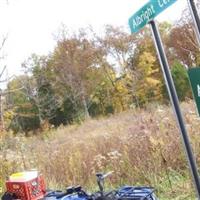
point(73, 61)
point(119, 45)
point(144, 64)
point(88, 75)
point(183, 43)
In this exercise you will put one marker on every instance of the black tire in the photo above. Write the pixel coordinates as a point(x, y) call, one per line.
point(8, 196)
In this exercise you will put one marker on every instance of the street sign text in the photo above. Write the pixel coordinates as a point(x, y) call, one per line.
point(147, 13)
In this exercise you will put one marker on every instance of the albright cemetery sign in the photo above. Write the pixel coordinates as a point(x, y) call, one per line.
point(137, 21)
point(148, 12)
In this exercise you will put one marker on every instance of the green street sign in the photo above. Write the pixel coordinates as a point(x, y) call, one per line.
point(194, 76)
point(147, 13)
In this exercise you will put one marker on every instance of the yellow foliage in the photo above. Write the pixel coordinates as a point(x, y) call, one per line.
point(146, 63)
point(8, 115)
point(152, 81)
point(149, 84)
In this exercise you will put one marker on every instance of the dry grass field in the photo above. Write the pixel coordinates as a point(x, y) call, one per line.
point(142, 147)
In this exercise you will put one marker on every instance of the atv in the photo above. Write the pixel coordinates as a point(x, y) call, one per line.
point(123, 193)
point(77, 193)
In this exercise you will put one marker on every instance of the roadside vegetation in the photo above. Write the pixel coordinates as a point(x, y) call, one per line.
point(142, 147)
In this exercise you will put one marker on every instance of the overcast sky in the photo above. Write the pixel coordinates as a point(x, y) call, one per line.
point(31, 24)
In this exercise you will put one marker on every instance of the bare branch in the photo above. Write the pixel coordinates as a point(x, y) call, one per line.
point(2, 71)
point(3, 42)
point(11, 91)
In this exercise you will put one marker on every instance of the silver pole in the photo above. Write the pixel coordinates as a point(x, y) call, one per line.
point(195, 16)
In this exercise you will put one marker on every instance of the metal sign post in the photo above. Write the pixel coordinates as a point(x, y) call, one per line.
point(137, 21)
point(175, 103)
point(195, 17)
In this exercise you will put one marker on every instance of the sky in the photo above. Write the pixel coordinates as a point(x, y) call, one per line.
point(31, 25)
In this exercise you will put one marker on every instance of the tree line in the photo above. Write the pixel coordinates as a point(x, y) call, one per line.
point(92, 75)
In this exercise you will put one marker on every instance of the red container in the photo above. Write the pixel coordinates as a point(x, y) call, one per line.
point(28, 190)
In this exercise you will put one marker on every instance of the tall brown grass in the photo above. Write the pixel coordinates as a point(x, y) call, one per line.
point(142, 147)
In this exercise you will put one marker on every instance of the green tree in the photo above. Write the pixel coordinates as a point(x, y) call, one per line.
point(181, 81)
point(24, 111)
point(43, 92)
